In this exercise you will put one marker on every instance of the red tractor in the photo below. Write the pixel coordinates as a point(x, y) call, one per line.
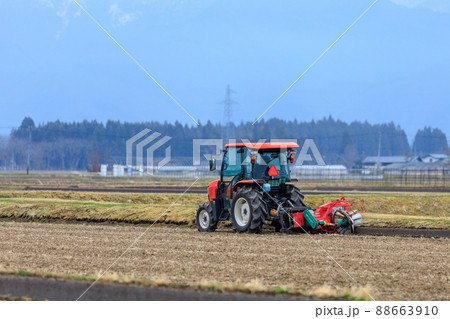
point(253, 190)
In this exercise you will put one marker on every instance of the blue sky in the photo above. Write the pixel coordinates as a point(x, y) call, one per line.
point(393, 65)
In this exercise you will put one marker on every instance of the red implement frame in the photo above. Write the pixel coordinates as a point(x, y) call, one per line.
point(325, 212)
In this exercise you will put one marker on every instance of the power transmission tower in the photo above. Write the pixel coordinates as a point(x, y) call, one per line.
point(228, 112)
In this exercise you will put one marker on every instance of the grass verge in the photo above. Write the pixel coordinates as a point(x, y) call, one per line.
point(382, 210)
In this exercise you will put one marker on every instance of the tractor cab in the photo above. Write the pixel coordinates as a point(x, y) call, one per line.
point(257, 163)
point(266, 164)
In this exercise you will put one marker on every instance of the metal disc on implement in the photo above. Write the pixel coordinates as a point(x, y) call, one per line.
point(341, 216)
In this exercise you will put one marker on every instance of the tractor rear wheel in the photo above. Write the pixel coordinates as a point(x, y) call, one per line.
point(248, 210)
point(294, 195)
point(204, 218)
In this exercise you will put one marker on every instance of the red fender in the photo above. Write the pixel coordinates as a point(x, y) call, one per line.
point(213, 186)
point(212, 190)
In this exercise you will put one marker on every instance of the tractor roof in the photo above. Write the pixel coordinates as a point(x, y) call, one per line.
point(265, 146)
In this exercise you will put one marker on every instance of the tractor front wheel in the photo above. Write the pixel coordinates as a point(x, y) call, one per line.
point(204, 218)
point(248, 210)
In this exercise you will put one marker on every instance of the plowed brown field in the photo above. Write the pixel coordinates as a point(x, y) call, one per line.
point(393, 267)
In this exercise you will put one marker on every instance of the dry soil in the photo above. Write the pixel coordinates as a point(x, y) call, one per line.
point(390, 267)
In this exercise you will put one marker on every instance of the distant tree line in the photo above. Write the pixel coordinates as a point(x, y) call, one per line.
point(429, 140)
point(78, 145)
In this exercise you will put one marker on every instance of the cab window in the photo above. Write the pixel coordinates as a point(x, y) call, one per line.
point(265, 159)
point(232, 162)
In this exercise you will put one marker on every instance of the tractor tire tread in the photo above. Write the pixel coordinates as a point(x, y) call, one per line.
point(256, 201)
point(294, 195)
point(213, 226)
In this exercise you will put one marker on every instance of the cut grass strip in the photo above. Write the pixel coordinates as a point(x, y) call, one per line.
point(382, 210)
